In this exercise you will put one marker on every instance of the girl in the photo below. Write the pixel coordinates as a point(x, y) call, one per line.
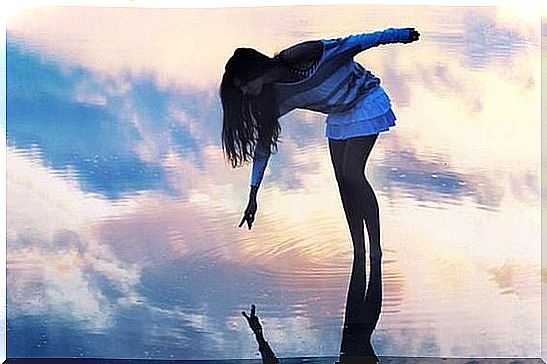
point(318, 75)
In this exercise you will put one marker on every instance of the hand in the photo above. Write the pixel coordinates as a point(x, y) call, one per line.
point(253, 320)
point(414, 36)
point(249, 214)
point(253, 87)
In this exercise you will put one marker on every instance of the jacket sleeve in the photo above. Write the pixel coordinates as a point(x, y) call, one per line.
point(356, 43)
point(260, 161)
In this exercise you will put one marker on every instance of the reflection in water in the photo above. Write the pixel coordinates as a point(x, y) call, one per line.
point(266, 352)
point(362, 314)
point(112, 129)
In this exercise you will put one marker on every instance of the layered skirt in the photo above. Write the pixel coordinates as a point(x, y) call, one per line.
point(371, 115)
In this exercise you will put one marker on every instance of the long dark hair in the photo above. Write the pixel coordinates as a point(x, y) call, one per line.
point(248, 121)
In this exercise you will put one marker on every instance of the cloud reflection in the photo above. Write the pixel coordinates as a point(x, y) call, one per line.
point(114, 130)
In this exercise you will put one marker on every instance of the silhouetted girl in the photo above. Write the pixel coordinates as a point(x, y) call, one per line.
point(318, 75)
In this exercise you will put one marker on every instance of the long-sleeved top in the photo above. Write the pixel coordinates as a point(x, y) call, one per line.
point(340, 87)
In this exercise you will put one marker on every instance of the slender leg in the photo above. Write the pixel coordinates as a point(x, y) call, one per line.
point(356, 291)
point(338, 156)
point(363, 198)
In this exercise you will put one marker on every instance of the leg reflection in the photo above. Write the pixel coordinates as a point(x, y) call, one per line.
point(361, 318)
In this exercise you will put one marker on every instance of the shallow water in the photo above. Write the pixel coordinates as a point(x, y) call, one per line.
point(122, 213)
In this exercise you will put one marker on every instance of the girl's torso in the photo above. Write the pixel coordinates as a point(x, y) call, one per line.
point(333, 84)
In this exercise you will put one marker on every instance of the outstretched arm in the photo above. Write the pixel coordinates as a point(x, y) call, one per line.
point(356, 43)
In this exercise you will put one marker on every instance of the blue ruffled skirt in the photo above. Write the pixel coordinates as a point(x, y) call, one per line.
point(372, 115)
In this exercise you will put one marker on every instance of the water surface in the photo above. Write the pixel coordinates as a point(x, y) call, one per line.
point(122, 212)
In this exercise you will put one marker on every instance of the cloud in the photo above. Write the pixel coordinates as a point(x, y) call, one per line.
point(68, 281)
point(121, 135)
point(54, 264)
point(91, 263)
point(170, 120)
point(491, 35)
point(434, 180)
point(514, 278)
point(194, 35)
point(46, 111)
point(83, 35)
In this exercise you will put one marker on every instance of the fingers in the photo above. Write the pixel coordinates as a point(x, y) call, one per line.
point(249, 217)
point(253, 313)
point(249, 220)
point(414, 35)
